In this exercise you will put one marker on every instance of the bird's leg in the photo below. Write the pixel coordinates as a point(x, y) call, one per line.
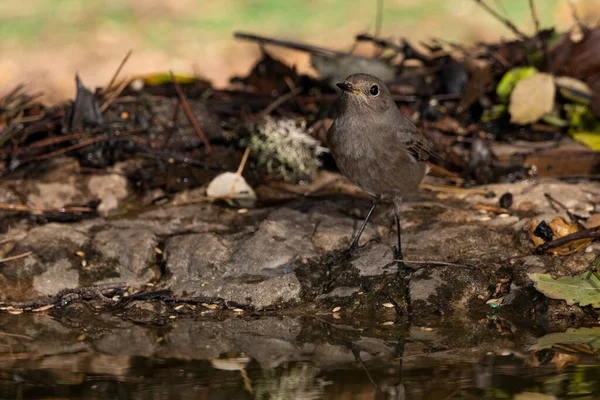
point(398, 250)
point(354, 244)
point(398, 257)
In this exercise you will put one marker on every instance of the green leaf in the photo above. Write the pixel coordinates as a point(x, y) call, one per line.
point(493, 113)
point(583, 289)
point(510, 79)
point(581, 118)
point(589, 337)
point(590, 139)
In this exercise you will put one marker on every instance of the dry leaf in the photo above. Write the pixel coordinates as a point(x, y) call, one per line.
point(231, 186)
point(530, 228)
point(532, 98)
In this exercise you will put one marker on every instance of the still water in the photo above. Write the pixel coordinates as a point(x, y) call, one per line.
point(290, 358)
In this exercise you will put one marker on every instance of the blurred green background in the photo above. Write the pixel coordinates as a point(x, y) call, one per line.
point(44, 42)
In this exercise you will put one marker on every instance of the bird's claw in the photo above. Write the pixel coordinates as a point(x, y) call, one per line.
point(347, 253)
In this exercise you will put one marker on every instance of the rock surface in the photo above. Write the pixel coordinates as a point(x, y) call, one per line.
point(463, 252)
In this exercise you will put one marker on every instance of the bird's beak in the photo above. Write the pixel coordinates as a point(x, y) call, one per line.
point(346, 87)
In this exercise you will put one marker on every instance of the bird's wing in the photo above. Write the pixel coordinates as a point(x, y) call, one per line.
point(415, 143)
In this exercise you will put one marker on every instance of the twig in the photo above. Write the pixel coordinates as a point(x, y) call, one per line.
point(243, 162)
point(115, 94)
point(116, 74)
point(590, 233)
point(575, 14)
point(379, 18)
point(534, 17)
point(189, 114)
point(502, 19)
point(452, 189)
point(22, 255)
point(290, 83)
point(171, 130)
point(379, 42)
point(16, 336)
point(24, 207)
point(288, 44)
point(240, 169)
point(280, 100)
point(572, 217)
point(443, 263)
point(67, 149)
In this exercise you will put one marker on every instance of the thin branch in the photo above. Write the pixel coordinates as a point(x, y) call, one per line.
point(433, 262)
point(534, 17)
point(243, 162)
point(22, 255)
point(115, 94)
point(189, 114)
point(280, 100)
point(379, 18)
point(572, 217)
point(590, 233)
point(173, 127)
point(575, 14)
point(500, 18)
point(25, 207)
point(453, 189)
point(16, 336)
point(118, 71)
point(240, 169)
point(73, 147)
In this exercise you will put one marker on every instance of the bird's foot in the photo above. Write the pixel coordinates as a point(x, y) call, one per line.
point(348, 252)
point(398, 262)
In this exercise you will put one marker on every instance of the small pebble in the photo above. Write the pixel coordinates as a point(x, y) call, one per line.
point(503, 215)
point(506, 200)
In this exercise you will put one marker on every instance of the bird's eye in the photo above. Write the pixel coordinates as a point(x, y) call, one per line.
point(374, 90)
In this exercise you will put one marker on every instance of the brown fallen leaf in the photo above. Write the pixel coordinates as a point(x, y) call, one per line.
point(530, 228)
point(560, 228)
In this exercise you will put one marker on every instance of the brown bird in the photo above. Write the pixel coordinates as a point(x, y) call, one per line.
point(376, 147)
